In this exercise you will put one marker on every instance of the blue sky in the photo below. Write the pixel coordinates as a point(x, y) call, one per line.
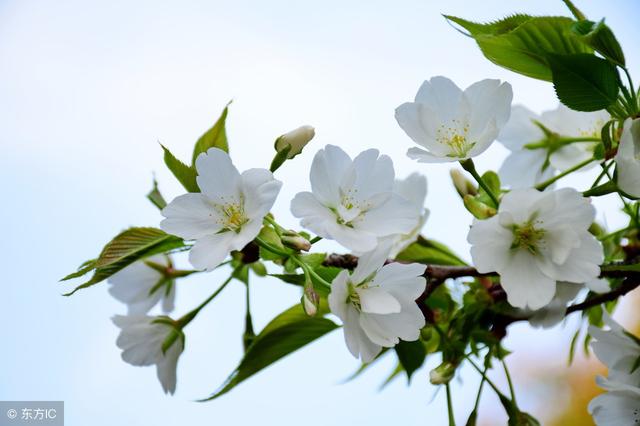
point(87, 89)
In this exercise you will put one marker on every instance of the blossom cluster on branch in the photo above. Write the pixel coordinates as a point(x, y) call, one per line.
point(537, 252)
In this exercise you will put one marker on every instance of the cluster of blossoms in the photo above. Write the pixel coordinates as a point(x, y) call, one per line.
point(534, 247)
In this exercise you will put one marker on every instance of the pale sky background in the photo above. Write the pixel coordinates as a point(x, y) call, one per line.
point(88, 88)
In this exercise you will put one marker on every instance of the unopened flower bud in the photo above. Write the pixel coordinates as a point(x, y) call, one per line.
point(442, 374)
point(296, 138)
point(477, 208)
point(310, 300)
point(463, 185)
point(295, 241)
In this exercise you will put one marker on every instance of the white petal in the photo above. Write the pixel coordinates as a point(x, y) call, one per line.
point(167, 366)
point(370, 262)
point(327, 170)
point(413, 188)
point(628, 158)
point(260, 191)
point(209, 251)
point(373, 174)
point(426, 157)
point(525, 284)
point(570, 155)
point(191, 216)
point(395, 216)
point(491, 245)
point(520, 130)
point(247, 233)
point(357, 341)
point(421, 124)
point(489, 100)
point(353, 239)
point(376, 331)
point(217, 177)
point(338, 298)
point(314, 215)
point(598, 285)
point(375, 300)
point(582, 265)
point(442, 95)
point(523, 169)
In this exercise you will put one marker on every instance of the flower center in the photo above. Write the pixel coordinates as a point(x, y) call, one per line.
point(354, 296)
point(456, 138)
point(527, 236)
point(233, 215)
point(350, 208)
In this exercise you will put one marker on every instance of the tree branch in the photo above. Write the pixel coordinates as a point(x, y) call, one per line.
point(436, 275)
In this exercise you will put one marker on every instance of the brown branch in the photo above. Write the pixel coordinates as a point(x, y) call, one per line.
point(627, 285)
point(437, 274)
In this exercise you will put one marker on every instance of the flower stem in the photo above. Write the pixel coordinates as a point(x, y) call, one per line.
point(452, 421)
point(541, 186)
point(511, 389)
point(262, 243)
point(471, 168)
point(187, 318)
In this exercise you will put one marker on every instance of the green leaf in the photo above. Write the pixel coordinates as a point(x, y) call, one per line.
point(186, 175)
point(429, 252)
point(411, 356)
point(127, 247)
point(584, 82)
point(286, 333)
point(86, 267)
point(215, 137)
point(156, 197)
point(600, 37)
point(521, 43)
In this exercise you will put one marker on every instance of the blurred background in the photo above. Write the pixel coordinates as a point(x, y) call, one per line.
point(89, 88)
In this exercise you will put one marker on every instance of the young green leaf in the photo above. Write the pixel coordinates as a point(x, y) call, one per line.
point(584, 82)
point(156, 197)
point(285, 334)
point(411, 356)
point(127, 247)
point(215, 137)
point(186, 175)
point(600, 37)
point(521, 43)
point(429, 252)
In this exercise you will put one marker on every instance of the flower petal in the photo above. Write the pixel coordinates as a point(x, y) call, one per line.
point(191, 216)
point(217, 177)
point(209, 251)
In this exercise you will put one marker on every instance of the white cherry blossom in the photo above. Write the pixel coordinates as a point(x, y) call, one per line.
point(377, 303)
point(628, 158)
point(227, 214)
point(142, 338)
point(141, 286)
point(352, 201)
point(452, 124)
point(536, 239)
point(527, 166)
